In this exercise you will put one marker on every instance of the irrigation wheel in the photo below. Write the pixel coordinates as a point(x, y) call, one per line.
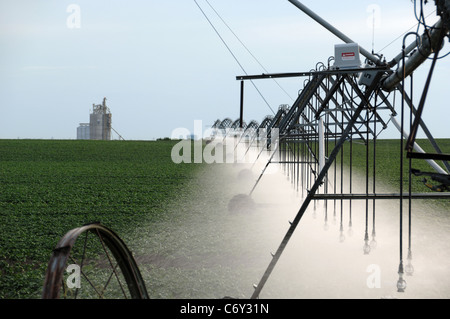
point(92, 262)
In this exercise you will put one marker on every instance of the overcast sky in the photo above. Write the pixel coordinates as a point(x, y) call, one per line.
point(161, 65)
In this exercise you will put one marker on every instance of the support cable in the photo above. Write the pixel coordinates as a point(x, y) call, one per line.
point(234, 56)
point(247, 49)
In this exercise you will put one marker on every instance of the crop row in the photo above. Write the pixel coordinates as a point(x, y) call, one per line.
point(49, 187)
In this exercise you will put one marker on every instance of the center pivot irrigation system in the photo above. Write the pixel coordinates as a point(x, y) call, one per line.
point(344, 103)
point(341, 103)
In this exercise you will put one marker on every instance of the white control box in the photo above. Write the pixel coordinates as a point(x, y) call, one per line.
point(346, 56)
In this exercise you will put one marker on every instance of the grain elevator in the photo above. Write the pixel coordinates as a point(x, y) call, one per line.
point(99, 127)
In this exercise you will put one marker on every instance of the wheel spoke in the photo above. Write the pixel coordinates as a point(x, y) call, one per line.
point(110, 262)
point(106, 266)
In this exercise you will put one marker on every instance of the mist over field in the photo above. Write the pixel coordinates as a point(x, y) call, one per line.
point(210, 252)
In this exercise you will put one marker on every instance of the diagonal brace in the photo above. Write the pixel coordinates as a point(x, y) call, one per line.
point(315, 187)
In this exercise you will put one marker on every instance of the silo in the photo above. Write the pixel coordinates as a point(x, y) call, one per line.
point(100, 122)
point(83, 131)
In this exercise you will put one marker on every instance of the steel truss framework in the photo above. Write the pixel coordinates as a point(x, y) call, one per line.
point(335, 107)
point(348, 113)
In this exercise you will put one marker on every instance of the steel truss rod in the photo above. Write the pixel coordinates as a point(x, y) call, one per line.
point(335, 123)
point(371, 108)
point(430, 156)
point(417, 119)
point(299, 105)
point(309, 73)
point(422, 124)
point(295, 162)
point(330, 96)
point(424, 128)
point(358, 91)
point(432, 163)
point(371, 196)
point(315, 187)
point(313, 136)
point(328, 110)
point(282, 112)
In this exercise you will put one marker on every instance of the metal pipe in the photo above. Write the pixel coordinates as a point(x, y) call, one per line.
point(413, 45)
point(333, 30)
point(424, 49)
point(423, 45)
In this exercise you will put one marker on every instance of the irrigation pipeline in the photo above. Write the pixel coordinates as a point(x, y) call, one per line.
point(334, 112)
point(336, 109)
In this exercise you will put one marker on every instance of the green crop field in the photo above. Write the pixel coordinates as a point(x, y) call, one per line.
point(48, 187)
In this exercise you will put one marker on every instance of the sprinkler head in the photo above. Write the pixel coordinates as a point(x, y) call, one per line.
point(401, 283)
point(366, 247)
point(373, 243)
point(409, 269)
